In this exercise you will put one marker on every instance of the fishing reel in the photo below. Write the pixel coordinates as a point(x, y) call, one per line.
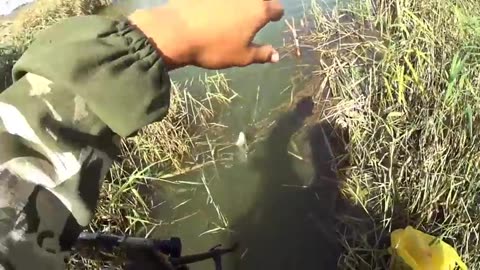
point(162, 254)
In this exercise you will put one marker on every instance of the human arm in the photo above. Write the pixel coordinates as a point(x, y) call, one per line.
point(58, 123)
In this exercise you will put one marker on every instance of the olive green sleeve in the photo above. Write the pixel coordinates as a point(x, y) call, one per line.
point(110, 64)
point(79, 86)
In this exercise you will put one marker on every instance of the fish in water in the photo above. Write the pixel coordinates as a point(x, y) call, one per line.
point(242, 153)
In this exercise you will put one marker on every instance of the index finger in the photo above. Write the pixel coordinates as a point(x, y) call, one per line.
point(274, 10)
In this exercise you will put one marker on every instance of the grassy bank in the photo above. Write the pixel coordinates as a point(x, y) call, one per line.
point(405, 78)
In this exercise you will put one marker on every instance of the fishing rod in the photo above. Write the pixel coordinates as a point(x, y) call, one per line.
point(132, 248)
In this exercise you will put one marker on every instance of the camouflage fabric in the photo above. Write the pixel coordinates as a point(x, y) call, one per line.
point(81, 85)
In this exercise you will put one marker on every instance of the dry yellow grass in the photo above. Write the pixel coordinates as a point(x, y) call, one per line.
point(404, 75)
point(43, 13)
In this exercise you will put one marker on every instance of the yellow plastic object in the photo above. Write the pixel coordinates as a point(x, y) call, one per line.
point(421, 251)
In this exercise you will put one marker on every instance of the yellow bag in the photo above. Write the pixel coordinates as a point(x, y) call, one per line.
point(421, 251)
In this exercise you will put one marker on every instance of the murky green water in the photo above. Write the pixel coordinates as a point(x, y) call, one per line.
point(262, 203)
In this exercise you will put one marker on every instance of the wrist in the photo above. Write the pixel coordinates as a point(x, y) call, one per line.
point(167, 33)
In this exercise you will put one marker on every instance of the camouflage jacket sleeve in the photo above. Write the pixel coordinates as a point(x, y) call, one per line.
point(80, 85)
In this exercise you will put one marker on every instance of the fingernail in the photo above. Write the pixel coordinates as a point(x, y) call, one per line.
point(275, 57)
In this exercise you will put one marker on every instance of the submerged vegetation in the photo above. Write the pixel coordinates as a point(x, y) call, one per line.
point(401, 78)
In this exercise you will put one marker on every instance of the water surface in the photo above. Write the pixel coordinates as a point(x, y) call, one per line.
point(263, 204)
